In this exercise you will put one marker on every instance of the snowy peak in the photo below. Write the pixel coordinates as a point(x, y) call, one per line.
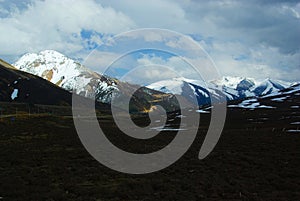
point(174, 86)
point(65, 72)
point(245, 84)
point(269, 86)
point(168, 86)
point(51, 65)
point(18, 86)
point(185, 87)
point(233, 82)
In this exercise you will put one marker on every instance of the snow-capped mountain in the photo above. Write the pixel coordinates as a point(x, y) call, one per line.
point(72, 76)
point(289, 96)
point(269, 86)
point(18, 86)
point(189, 89)
point(66, 73)
point(248, 87)
point(234, 88)
point(234, 82)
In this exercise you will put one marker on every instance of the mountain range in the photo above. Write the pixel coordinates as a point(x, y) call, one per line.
point(74, 77)
point(234, 88)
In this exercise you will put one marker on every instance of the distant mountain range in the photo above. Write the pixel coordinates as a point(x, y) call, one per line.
point(72, 76)
point(234, 88)
point(289, 96)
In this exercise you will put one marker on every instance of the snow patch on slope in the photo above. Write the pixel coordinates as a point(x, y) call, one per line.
point(14, 94)
point(250, 104)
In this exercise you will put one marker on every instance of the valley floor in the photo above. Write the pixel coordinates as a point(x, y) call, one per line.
point(42, 158)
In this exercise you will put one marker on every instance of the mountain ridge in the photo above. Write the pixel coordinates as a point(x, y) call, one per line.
point(74, 77)
point(234, 88)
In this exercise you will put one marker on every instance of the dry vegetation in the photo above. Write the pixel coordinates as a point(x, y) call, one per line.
point(42, 158)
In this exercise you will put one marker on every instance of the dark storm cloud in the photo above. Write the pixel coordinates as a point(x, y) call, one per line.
point(272, 23)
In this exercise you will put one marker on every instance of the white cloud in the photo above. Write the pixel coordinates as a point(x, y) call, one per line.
point(230, 29)
point(149, 73)
point(192, 68)
point(99, 60)
point(57, 25)
point(155, 13)
point(262, 62)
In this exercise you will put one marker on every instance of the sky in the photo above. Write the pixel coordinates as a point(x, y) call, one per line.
point(258, 38)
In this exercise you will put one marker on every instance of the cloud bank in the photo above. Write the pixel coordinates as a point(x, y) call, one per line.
point(244, 38)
